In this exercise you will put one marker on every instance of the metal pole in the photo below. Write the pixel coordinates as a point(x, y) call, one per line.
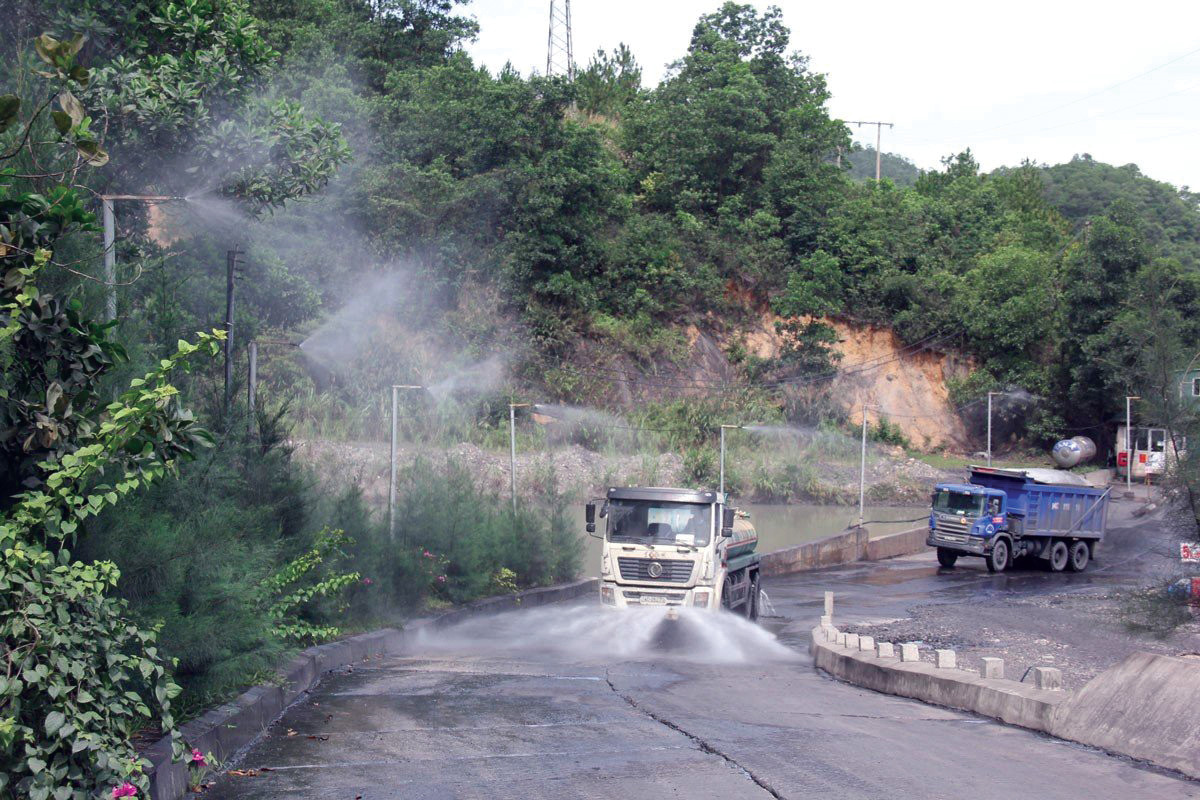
point(110, 259)
point(1128, 448)
point(722, 463)
point(512, 452)
point(230, 266)
point(252, 382)
point(392, 469)
point(989, 450)
point(862, 469)
point(878, 151)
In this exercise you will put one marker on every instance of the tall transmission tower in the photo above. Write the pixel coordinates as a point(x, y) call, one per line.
point(560, 54)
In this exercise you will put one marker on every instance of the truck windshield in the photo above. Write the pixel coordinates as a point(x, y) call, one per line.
point(658, 522)
point(952, 502)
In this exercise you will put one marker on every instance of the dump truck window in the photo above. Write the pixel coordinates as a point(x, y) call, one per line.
point(953, 502)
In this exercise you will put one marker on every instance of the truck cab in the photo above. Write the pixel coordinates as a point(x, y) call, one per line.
point(675, 548)
point(964, 518)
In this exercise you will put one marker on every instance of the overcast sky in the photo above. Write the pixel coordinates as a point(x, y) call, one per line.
point(1014, 80)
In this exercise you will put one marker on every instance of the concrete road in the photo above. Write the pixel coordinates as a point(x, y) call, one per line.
point(580, 702)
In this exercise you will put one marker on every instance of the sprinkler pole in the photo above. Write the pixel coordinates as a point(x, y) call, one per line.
point(252, 381)
point(512, 449)
point(862, 468)
point(392, 460)
point(1129, 445)
point(110, 259)
point(723, 429)
point(989, 429)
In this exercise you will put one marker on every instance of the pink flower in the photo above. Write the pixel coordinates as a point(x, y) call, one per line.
point(427, 554)
point(198, 758)
point(367, 581)
point(441, 578)
point(126, 789)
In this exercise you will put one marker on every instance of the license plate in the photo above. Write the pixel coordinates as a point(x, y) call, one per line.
point(652, 600)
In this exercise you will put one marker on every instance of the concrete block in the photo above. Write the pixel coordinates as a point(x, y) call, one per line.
point(826, 621)
point(945, 659)
point(908, 652)
point(866, 644)
point(841, 639)
point(992, 668)
point(829, 604)
point(1047, 678)
point(852, 641)
point(885, 650)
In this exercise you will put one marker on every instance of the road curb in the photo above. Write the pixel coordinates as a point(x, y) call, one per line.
point(229, 729)
point(1140, 707)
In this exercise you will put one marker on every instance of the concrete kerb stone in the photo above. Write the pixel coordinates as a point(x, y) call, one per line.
point(228, 729)
point(1048, 678)
point(945, 659)
point(909, 652)
point(866, 644)
point(851, 641)
point(992, 668)
point(885, 650)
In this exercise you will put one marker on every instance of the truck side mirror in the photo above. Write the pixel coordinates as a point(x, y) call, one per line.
point(727, 517)
point(589, 516)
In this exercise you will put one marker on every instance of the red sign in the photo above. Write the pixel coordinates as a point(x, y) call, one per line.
point(1189, 551)
point(1123, 459)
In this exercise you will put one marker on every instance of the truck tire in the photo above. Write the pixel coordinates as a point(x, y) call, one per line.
point(947, 557)
point(1001, 557)
point(752, 600)
point(1080, 555)
point(1060, 556)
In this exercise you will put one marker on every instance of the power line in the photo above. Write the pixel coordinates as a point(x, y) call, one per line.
point(878, 143)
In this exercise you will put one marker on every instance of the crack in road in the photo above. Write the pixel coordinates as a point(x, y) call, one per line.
point(699, 742)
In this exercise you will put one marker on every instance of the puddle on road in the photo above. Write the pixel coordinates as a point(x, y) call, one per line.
point(590, 633)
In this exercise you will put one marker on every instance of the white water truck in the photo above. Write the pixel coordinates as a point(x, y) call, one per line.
point(676, 548)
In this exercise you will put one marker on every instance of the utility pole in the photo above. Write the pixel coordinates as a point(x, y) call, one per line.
point(251, 383)
point(723, 429)
point(560, 52)
point(862, 469)
point(878, 143)
point(110, 260)
point(393, 459)
point(231, 265)
point(1128, 446)
point(989, 449)
point(512, 451)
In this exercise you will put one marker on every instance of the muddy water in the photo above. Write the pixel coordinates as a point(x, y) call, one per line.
point(781, 526)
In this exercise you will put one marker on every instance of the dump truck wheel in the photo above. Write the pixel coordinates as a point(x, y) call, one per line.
point(1059, 556)
point(1001, 557)
point(947, 558)
point(1080, 554)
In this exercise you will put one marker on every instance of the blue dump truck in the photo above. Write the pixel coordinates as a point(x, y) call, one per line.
point(1006, 514)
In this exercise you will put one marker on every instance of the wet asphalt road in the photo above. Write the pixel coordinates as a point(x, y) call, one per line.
point(573, 702)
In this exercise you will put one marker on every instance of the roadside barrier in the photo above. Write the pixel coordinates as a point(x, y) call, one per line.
point(843, 548)
point(1140, 707)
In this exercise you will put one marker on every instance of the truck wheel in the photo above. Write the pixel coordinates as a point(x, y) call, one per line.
point(947, 557)
point(752, 600)
point(1080, 554)
point(1001, 557)
point(1059, 556)
point(727, 592)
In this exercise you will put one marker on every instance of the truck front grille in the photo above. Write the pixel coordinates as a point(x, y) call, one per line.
point(951, 526)
point(673, 570)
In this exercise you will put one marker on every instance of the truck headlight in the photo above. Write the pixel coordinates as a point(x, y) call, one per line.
point(700, 598)
point(608, 596)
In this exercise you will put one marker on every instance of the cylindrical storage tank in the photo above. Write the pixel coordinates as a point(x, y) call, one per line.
point(1074, 451)
point(744, 539)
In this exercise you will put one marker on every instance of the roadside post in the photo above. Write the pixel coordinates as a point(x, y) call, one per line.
point(392, 460)
point(1128, 446)
point(512, 448)
point(723, 429)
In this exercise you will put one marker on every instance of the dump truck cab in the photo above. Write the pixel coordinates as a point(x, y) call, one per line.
point(968, 515)
point(675, 547)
